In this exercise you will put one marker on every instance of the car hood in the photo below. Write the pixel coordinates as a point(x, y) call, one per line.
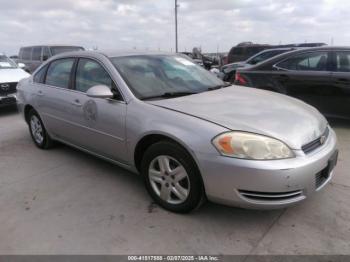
point(253, 110)
point(12, 75)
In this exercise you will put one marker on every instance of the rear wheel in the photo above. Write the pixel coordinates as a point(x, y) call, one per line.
point(38, 132)
point(171, 177)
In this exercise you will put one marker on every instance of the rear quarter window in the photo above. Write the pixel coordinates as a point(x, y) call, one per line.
point(39, 77)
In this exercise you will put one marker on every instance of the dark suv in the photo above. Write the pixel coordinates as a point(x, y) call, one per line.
point(319, 76)
point(34, 56)
point(245, 50)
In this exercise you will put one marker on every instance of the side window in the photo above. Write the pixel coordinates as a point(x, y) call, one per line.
point(36, 54)
point(90, 73)
point(315, 61)
point(343, 62)
point(26, 53)
point(39, 76)
point(59, 71)
point(46, 53)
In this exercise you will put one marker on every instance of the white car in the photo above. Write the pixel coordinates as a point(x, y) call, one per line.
point(10, 74)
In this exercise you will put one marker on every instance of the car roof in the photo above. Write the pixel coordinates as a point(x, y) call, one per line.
point(319, 48)
point(308, 49)
point(272, 50)
point(278, 49)
point(279, 57)
point(324, 48)
point(134, 53)
point(111, 54)
point(29, 46)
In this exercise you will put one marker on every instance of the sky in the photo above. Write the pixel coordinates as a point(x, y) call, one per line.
point(213, 25)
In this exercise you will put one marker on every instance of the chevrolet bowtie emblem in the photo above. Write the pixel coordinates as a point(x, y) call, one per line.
point(322, 139)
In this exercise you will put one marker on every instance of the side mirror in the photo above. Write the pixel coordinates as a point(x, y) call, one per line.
point(44, 57)
point(100, 91)
point(276, 68)
point(21, 65)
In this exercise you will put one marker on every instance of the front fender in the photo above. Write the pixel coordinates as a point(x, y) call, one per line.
point(192, 133)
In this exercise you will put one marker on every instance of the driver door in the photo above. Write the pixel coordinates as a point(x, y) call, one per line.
point(100, 122)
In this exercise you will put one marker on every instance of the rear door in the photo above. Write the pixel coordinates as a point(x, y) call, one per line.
point(337, 102)
point(306, 76)
point(54, 99)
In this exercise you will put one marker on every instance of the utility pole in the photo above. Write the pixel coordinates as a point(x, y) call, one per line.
point(176, 46)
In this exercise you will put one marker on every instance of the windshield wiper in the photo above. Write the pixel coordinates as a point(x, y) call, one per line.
point(226, 84)
point(170, 95)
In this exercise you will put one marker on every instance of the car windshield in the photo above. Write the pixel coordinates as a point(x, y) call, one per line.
point(5, 62)
point(55, 50)
point(153, 76)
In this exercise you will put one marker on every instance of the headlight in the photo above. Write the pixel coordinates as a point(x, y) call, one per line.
point(251, 146)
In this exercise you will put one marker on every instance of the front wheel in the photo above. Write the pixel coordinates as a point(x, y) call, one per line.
point(172, 177)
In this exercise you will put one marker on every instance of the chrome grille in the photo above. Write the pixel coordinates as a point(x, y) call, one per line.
point(8, 88)
point(309, 147)
point(270, 196)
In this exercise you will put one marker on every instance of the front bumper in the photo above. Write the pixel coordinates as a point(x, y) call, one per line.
point(8, 100)
point(268, 184)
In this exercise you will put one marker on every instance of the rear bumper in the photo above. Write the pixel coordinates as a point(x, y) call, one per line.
point(268, 184)
point(7, 100)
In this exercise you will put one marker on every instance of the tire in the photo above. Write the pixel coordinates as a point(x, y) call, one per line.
point(38, 132)
point(177, 186)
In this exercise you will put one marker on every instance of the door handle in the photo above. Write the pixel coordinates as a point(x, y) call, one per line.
point(77, 103)
point(40, 93)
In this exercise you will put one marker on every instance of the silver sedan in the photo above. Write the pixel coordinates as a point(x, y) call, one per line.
point(191, 136)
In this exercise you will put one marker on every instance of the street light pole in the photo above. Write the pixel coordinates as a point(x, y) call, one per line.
point(176, 45)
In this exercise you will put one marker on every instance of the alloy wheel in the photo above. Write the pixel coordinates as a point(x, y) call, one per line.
point(37, 129)
point(169, 179)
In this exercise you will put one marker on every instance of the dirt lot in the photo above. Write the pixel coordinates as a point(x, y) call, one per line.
point(63, 201)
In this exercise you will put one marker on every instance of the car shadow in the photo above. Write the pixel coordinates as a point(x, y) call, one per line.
point(8, 110)
point(134, 182)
